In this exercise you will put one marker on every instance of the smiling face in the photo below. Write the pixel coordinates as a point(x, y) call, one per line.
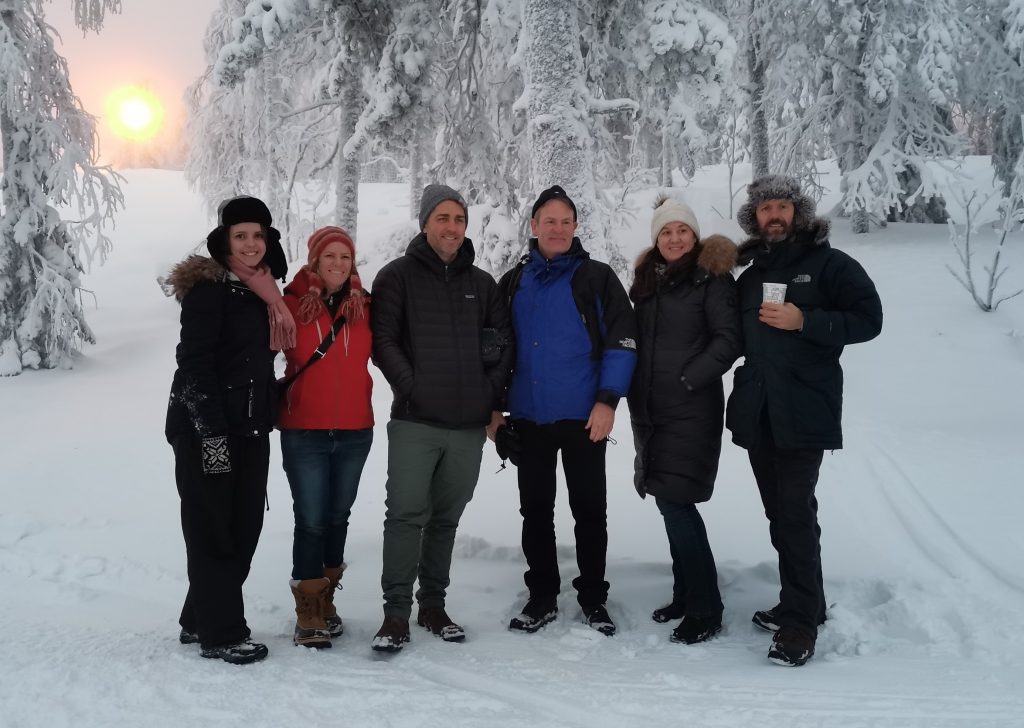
point(775, 219)
point(554, 226)
point(446, 229)
point(675, 239)
point(247, 242)
point(334, 266)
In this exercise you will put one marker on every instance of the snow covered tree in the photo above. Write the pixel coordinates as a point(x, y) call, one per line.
point(682, 52)
point(49, 165)
point(558, 106)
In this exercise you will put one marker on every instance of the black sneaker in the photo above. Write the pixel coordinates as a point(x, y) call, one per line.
point(792, 646)
point(768, 619)
point(675, 610)
point(697, 629)
point(240, 653)
point(188, 638)
point(596, 617)
point(535, 615)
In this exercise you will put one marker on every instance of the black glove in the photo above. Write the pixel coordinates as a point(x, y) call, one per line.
point(508, 444)
point(216, 458)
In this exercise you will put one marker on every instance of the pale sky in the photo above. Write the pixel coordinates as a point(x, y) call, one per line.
point(153, 43)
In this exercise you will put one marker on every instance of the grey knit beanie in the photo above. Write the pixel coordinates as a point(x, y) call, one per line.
point(775, 187)
point(434, 195)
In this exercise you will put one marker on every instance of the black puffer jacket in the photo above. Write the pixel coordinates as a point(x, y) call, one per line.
point(796, 374)
point(224, 384)
point(427, 319)
point(689, 337)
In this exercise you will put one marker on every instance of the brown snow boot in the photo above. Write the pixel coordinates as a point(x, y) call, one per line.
point(334, 625)
point(310, 627)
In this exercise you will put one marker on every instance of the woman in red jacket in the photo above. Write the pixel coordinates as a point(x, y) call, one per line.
point(326, 424)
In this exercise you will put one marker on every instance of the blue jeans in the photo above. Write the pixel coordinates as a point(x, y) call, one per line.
point(693, 564)
point(323, 468)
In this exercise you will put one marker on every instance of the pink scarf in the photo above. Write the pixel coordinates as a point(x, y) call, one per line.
point(260, 282)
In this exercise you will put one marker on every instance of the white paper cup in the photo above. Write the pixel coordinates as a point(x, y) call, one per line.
point(774, 292)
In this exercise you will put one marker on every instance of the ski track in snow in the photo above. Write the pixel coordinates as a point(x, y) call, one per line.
point(907, 499)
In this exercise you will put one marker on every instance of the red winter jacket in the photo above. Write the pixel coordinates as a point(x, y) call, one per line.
point(333, 393)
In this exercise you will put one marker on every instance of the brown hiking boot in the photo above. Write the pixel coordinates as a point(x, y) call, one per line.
point(440, 624)
point(792, 646)
point(310, 627)
point(334, 625)
point(392, 635)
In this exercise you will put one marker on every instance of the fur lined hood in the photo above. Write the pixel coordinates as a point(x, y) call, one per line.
point(815, 233)
point(717, 255)
point(185, 275)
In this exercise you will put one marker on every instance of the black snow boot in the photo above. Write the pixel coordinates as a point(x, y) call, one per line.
point(535, 615)
point(596, 617)
point(768, 619)
point(674, 610)
point(792, 646)
point(240, 653)
point(697, 629)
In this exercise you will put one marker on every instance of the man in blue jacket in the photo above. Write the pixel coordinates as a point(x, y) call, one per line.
point(576, 349)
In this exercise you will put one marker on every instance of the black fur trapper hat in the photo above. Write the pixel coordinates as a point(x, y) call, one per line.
point(775, 187)
point(247, 209)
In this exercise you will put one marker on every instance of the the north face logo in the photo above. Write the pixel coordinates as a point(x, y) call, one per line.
point(802, 278)
point(628, 344)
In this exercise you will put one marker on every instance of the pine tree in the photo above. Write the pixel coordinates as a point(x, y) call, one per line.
point(49, 165)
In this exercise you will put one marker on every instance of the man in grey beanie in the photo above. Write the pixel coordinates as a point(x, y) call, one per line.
point(801, 302)
point(430, 309)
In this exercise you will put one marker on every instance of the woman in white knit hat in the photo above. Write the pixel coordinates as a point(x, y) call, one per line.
point(689, 336)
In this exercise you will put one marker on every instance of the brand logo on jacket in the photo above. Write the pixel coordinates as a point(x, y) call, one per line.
point(470, 296)
point(628, 344)
point(802, 278)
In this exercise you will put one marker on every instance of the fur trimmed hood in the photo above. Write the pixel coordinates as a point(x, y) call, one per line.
point(816, 233)
point(718, 255)
point(185, 275)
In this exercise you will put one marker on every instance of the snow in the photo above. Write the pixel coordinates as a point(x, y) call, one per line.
point(920, 519)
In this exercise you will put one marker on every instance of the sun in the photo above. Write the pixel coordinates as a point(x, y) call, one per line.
point(134, 113)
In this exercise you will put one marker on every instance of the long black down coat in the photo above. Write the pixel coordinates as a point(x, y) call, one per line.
point(796, 374)
point(427, 319)
point(224, 384)
point(689, 338)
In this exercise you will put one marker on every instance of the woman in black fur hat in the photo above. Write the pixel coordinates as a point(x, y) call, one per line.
point(689, 329)
point(222, 408)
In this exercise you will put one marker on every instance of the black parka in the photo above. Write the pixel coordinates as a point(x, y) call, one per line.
point(689, 338)
point(224, 384)
point(427, 319)
point(796, 374)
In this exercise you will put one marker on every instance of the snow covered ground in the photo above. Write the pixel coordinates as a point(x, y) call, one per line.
point(920, 515)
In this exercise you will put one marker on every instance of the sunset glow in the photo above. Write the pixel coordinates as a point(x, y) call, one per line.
point(134, 113)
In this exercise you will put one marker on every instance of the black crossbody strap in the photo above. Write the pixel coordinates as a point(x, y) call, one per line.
point(319, 353)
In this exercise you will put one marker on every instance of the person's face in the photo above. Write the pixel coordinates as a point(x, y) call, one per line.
point(775, 219)
point(554, 228)
point(675, 239)
point(334, 265)
point(247, 242)
point(446, 229)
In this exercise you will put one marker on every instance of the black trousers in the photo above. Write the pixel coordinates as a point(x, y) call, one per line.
point(786, 479)
point(583, 464)
point(221, 519)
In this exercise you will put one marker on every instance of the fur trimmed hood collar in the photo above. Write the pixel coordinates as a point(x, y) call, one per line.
point(717, 255)
point(816, 233)
point(185, 275)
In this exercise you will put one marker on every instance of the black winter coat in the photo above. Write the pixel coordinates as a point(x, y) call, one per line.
point(689, 337)
point(224, 384)
point(796, 374)
point(427, 319)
